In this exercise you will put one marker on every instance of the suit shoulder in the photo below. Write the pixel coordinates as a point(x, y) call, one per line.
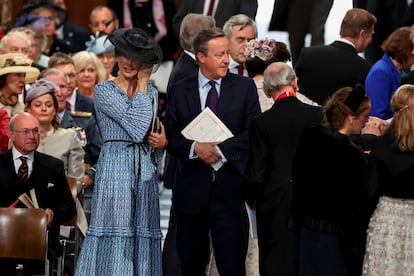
point(186, 80)
point(84, 98)
point(47, 159)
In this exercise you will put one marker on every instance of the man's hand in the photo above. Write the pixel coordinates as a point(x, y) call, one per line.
point(49, 216)
point(207, 152)
point(87, 181)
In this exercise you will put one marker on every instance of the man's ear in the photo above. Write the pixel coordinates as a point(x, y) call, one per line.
point(295, 85)
point(200, 57)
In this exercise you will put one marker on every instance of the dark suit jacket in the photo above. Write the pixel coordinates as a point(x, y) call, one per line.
point(225, 10)
point(84, 103)
point(323, 69)
point(67, 121)
point(184, 67)
point(49, 181)
point(75, 36)
point(272, 145)
point(237, 106)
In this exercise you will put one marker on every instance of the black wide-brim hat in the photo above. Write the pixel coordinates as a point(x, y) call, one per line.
point(137, 44)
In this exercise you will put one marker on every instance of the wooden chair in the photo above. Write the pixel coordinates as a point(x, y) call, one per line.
point(23, 235)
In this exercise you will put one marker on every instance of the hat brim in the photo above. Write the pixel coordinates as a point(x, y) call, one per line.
point(150, 53)
point(32, 73)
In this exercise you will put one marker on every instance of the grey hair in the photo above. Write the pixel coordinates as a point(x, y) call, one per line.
point(19, 33)
point(191, 26)
point(241, 20)
point(51, 71)
point(276, 77)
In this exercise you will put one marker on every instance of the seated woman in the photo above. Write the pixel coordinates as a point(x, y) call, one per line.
point(54, 140)
point(89, 72)
point(59, 142)
point(15, 72)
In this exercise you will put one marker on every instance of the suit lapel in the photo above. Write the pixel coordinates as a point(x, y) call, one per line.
point(226, 93)
point(192, 95)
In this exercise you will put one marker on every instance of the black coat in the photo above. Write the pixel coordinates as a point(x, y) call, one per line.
point(51, 187)
point(273, 139)
point(321, 70)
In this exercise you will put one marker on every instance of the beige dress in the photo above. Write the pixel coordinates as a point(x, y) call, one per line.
point(65, 145)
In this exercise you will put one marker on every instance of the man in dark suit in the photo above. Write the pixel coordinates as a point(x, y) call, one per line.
point(185, 66)
point(391, 15)
point(45, 174)
point(77, 101)
point(321, 70)
point(272, 144)
point(210, 200)
point(222, 10)
point(239, 29)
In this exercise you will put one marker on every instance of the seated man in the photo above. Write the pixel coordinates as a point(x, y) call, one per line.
point(22, 168)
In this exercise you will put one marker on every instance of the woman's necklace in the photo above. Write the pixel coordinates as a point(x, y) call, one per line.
point(44, 135)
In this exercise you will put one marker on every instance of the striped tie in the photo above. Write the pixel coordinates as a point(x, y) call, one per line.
point(23, 172)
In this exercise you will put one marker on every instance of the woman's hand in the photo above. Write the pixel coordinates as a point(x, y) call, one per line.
point(143, 76)
point(158, 140)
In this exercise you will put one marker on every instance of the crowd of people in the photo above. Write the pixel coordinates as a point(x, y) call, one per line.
point(312, 144)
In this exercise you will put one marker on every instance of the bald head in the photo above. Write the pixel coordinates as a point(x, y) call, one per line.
point(24, 132)
point(278, 76)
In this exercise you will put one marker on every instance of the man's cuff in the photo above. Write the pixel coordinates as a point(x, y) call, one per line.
point(192, 154)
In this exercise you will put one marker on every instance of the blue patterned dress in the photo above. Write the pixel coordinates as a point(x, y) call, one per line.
point(124, 235)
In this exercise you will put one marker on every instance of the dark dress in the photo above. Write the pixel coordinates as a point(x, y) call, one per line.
point(328, 201)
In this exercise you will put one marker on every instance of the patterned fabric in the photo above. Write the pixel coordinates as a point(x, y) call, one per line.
point(390, 243)
point(23, 171)
point(124, 236)
point(265, 102)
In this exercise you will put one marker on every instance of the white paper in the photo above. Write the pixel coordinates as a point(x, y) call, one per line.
point(206, 127)
point(251, 213)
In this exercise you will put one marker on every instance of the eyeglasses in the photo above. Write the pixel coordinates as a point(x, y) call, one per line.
point(34, 131)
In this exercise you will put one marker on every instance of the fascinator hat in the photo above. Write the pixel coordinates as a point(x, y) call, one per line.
point(18, 63)
point(39, 88)
point(137, 44)
point(356, 97)
point(99, 45)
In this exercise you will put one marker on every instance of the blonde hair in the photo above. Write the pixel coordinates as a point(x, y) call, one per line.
point(83, 58)
point(401, 127)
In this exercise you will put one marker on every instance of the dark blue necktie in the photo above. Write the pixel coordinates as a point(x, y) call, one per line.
point(212, 97)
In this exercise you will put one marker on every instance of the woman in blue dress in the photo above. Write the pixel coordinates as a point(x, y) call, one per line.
point(124, 236)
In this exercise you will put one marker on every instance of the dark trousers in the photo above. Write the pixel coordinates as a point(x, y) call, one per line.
point(321, 254)
point(229, 234)
point(307, 16)
point(170, 260)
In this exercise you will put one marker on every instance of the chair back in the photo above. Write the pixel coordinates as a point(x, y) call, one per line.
point(23, 233)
